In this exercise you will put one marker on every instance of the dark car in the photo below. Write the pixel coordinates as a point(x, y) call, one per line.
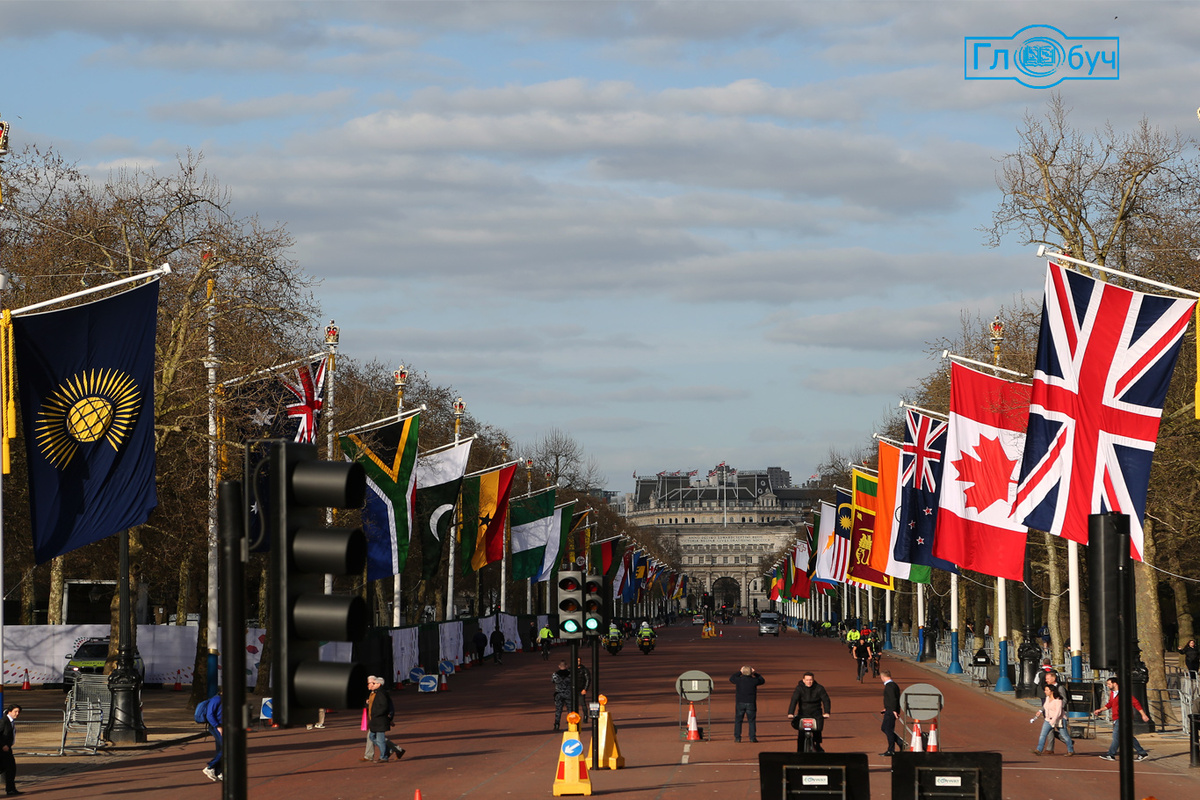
point(89, 659)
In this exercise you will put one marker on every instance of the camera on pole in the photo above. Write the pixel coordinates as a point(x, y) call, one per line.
point(303, 551)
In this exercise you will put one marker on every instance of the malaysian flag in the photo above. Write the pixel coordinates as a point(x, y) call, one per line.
point(833, 558)
point(1104, 363)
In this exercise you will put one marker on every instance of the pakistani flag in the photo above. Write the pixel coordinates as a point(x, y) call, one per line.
point(562, 525)
point(439, 477)
point(533, 524)
point(389, 455)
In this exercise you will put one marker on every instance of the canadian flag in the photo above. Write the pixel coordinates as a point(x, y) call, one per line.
point(986, 438)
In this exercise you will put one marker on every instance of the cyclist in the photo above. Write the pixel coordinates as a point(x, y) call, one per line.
point(862, 654)
point(809, 701)
point(545, 635)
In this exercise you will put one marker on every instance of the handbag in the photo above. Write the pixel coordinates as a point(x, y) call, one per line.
point(364, 722)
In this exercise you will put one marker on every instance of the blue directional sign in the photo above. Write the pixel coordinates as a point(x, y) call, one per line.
point(428, 683)
point(446, 667)
point(572, 748)
point(416, 674)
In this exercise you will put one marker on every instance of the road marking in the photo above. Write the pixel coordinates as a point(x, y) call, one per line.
point(687, 750)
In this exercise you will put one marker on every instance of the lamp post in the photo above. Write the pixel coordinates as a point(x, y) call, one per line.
point(399, 378)
point(1003, 683)
point(460, 408)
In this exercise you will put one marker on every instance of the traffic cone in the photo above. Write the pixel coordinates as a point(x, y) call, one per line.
point(933, 742)
point(178, 686)
point(417, 796)
point(443, 684)
point(693, 728)
point(917, 746)
point(25, 686)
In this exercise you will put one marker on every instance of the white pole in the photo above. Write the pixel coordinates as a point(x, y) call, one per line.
point(1000, 624)
point(953, 601)
point(920, 604)
point(1076, 624)
point(887, 599)
point(213, 547)
point(870, 604)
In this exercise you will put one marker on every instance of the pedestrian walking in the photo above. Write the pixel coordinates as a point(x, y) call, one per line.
point(497, 641)
point(214, 718)
point(1115, 744)
point(8, 735)
point(480, 640)
point(583, 681)
point(809, 700)
point(1054, 722)
point(745, 700)
point(891, 712)
point(380, 718)
point(562, 692)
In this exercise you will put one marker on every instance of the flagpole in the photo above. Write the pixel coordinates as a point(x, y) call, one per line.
point(250, 376)
point(1041, 253)
point(1003, 682)
point(213, 545)
point(331, 345)
point(460, 408)
point(399, 378)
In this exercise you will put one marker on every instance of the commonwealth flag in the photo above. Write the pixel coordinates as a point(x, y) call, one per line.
point(389, 455)
point(87, 400)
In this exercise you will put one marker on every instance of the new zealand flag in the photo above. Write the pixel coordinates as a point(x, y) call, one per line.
point(920, 476)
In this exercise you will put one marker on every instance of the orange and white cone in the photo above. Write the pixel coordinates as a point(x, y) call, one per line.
point(693, 728)
point(443, 684)
point(917, 746)
point(933, 742)
point(25, 686)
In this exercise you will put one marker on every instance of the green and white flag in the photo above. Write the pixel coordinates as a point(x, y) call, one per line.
point(533, 525)
point(562, 525)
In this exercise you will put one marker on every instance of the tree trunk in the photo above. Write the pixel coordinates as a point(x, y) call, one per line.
point(262, 683)
point(1054, 604)
point(1149, 633)
point(54, 614)
point(181, 598)
point(1183, 609)
point(28, 597)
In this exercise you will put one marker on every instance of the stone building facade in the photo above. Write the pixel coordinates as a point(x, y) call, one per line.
point(728, 528)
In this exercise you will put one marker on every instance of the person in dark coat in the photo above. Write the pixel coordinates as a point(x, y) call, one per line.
point(891, 712)
point(380, 715)
point(810, 700)
point(497, 641)
point(480, 640)
point(562, 692)
point(8, 763)
point(1191, 657)
point(745, 702)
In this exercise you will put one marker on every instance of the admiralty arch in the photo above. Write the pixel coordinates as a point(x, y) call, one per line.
point(727, 528)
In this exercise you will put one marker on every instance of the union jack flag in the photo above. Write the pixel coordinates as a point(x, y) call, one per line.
point(306, 390)
point(1104, 363)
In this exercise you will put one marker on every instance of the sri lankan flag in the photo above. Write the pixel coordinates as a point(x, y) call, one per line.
point(862, 530)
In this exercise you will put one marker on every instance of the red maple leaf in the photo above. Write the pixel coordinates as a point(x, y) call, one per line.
point(990, 472)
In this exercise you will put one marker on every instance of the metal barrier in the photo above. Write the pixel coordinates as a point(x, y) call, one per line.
point(88, 706)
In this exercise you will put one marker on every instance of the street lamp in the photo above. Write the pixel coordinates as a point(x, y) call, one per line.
point(460, 408)
point(399, 378)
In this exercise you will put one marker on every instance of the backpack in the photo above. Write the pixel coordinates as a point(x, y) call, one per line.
point(202, 711)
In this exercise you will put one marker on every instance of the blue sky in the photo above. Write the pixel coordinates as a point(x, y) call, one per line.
point(684, 233)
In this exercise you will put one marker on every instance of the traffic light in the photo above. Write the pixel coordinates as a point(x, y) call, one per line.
point(593, 605)
point(570, 605)
point(303, 551)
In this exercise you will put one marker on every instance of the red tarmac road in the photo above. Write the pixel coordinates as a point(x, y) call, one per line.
point(491, 736)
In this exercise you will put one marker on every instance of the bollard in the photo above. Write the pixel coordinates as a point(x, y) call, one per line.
point(1194, 739)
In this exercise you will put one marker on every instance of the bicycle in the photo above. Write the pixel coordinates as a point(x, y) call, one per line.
point(875, 665)
point(862, 669)
point(807, 744)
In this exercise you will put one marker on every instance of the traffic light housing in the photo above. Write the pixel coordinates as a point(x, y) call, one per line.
point(570, 605)
point(303, 551)
point(593, 605)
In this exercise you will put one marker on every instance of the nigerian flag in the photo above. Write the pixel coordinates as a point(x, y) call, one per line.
point(532, 519)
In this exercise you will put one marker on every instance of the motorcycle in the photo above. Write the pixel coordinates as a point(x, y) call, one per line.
point(646, 644)
point(613, 644)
